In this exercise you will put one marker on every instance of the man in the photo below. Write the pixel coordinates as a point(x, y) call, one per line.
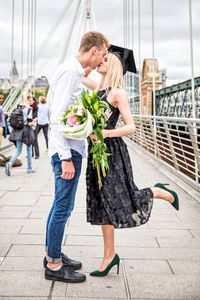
point(66, 155)
point(2, 119)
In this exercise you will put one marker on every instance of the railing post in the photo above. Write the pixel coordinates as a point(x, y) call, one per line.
point(153, 131)
point(171, 145)
point(193, 138)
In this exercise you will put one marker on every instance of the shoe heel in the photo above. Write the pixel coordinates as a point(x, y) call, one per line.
point(118, 269)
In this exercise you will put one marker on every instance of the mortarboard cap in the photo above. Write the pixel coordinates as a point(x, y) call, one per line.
point(125, 56)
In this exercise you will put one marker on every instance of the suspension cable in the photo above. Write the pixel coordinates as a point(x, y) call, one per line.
point(22, 42)
point(139, 51)
point(31, 39)
point(34, 39)
point(192, 61)
point(28, 37)
point(93, 16)
point(12, 34)
point(153, 56)
point(69, 36)
point(132, 24)
point(61, 16)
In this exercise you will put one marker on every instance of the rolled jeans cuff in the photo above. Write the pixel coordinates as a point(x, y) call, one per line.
point(53, 260)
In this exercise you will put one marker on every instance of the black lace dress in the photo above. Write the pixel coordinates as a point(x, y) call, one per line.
point(119, 202)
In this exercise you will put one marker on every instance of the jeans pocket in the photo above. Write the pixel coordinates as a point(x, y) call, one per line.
point(58, 175)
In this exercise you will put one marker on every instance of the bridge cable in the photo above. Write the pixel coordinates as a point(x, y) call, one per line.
point(69, 36)
point(12, 34)
point(192, 61)
point(22, 41)
point(153, 56)
point(52, 30)
point(28, 37)
point(139, 52)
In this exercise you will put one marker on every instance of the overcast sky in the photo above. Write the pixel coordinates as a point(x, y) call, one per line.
point(172, 39)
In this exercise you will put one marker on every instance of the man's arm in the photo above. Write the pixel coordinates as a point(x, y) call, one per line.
point(62, 99)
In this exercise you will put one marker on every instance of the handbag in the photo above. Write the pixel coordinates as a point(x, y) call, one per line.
point(28, 135)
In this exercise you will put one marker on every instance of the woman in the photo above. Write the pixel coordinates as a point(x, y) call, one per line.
point(119, 203)
point(43, 116)
point(20, 136)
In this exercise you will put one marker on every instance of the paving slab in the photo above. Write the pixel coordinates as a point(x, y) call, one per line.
point(23, 239)
point(164, 286)
point(19, 198)
point(120, 241)
point(106, 287)
point(188, 267)
point(147, 267)
point(23, 283)
point(4, 248)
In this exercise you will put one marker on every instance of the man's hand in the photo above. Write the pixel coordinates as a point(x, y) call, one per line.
point(68, 170)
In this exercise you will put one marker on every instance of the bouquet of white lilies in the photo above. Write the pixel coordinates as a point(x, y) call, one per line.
point(86, 117)
point(76, 122)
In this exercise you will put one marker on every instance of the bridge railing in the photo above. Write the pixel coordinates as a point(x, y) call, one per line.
point(174, 141)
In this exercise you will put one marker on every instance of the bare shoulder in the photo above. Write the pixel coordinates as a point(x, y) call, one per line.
point(120, 96)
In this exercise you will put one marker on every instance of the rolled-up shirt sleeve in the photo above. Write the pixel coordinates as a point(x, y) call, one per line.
point(62, 93)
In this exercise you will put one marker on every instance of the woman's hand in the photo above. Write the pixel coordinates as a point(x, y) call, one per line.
point(105, 134)
point(87, 71)
point(108, 113)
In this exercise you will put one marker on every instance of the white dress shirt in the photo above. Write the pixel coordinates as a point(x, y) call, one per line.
point(43, 114)
point(65, 88)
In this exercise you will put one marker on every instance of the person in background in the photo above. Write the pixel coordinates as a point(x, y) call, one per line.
point(2, 119)
point(34, 106)
point(16, 137)
point(43, 117)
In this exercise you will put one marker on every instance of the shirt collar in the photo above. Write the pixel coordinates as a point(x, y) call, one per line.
point(78, 66)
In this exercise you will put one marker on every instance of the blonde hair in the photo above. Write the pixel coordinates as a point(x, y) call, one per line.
point(91, 39)
point(114, 75)
point(25, 97)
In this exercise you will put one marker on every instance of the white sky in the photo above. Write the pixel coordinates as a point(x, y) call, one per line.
point(172, 43)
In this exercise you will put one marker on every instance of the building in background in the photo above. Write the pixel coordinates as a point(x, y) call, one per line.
point(14, 75)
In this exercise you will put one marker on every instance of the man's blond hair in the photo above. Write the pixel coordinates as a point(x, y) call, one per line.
point(91, 39)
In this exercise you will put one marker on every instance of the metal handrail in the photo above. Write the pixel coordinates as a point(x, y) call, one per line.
point(179, 149)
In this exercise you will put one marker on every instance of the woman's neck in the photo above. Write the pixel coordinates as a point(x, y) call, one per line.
point(105, 84)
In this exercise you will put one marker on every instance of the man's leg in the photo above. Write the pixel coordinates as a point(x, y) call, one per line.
point(65, 191)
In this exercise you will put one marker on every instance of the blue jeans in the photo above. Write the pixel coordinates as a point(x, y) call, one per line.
point(18, 151)
point(65, 191)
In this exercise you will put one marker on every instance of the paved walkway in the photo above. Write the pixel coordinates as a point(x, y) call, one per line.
point(160, 260)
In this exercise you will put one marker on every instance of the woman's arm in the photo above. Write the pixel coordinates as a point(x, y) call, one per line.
point(120, 100)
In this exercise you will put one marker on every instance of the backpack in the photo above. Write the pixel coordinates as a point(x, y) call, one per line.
point(17, 118)
point(1, 114)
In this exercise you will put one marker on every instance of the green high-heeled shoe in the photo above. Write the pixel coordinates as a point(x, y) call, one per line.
point(175, 203)
point(115, 261)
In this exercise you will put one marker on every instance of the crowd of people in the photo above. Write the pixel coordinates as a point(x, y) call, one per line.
point(35, 116)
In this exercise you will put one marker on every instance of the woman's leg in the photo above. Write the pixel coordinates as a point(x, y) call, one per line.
point(29, 157)
point(109, 245)
point(162, 194)
point(17, 152)
point(45, 132)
